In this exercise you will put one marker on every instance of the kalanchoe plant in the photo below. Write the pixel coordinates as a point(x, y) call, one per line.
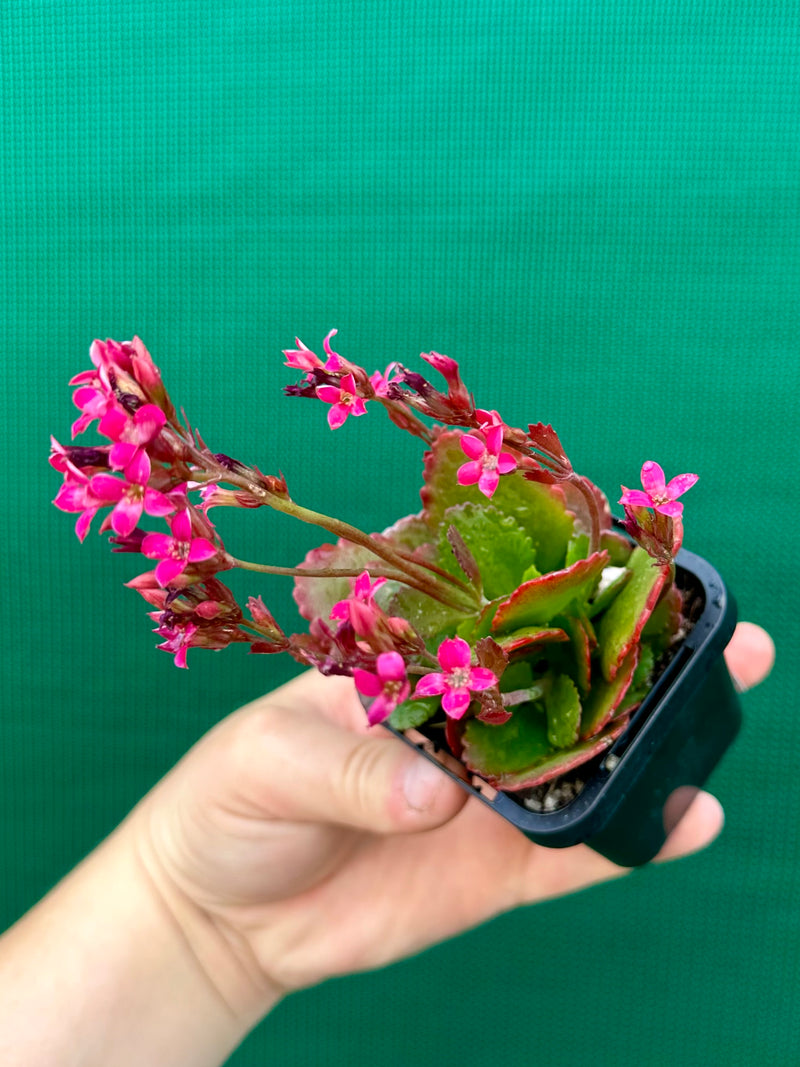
point(509, 613)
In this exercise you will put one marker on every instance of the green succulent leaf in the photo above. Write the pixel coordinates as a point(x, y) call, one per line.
point(499, 547)
point(582, 641)
point(665, 620)
point(563, 706)
point(519, 754)
point(604, 598)
point(540, 600)
point(430, 618)
point(414, 712)
point(539, 510)
point(578, 548)
point(620, 627)
point(617, 545)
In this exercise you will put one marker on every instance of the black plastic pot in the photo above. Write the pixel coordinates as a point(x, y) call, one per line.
point(675, 739)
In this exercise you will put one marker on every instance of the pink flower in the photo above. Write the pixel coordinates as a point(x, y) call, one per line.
point(178, 641)
point(389, 685)
point(302, 358)
point(658, 495)
point(76, 495)
point(487, 462)
point(131, 435)
point(456, 679)
point(130, 497)
point(360, 608)
point(345, 401)
point(178, 551)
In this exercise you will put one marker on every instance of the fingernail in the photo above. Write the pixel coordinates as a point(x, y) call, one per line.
point(422, 784)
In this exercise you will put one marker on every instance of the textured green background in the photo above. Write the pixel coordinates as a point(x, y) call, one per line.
point(596, 208)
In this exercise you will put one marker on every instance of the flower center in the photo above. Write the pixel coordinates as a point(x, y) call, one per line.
point(180, 549)
point(459, 677)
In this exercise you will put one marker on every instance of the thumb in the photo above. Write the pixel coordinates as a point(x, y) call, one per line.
point(296, 766)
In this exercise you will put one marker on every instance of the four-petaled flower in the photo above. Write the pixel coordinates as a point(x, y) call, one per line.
point(345, 401)
point(487, 462)
point(131, 435)
point(130, 497)
point(457, 678)
point(655, 493)
point(178, 551)
point(389, 685)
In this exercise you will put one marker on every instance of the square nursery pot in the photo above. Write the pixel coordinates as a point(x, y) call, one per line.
point(675, 739)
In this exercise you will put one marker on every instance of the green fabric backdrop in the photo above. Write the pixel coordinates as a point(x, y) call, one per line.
point(596, 208)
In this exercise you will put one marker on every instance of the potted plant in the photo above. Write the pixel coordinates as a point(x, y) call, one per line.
point(564, 667)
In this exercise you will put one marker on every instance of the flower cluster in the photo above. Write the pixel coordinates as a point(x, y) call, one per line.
point(465, 610)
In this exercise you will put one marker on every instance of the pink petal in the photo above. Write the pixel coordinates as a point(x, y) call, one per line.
point(329, 393)
point(139, 469)
point(337, 416)
point(86, 397)
point(653, 478)
point(81, 424)
point(487, 483)
point(454, 653)
point(107, 487)
point(125, 516)
point(368, 684)
point(635, 498)
point(481, 678)
point(362, 586)
point(168, 570)
point(201, 549)
point(113, 423)
point(680, 484)
point(181, 525)
point(349, 384)
point(157, 504)
point(494, 438)
point(149, 421)
point(391, 666)
point(340, 610)
point(358, 407)
point(469, 473)
point(506, 463)
point(455, 702)
point(122, 454)
point(380, 709)
point(430, 685)
point(472, 446)
point(157, 546)
point(672, 508)
point(84, 522)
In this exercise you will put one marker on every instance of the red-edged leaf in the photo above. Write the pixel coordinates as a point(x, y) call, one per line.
point(529, 636)
point(583, 641)
point(536, 602)
point(518, 754)
point(621, 626)
point(607, 697)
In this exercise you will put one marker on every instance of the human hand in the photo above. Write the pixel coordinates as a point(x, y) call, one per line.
point(313, 846)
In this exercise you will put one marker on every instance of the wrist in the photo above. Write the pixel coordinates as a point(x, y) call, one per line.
point(217, 954)
point(130, 972)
